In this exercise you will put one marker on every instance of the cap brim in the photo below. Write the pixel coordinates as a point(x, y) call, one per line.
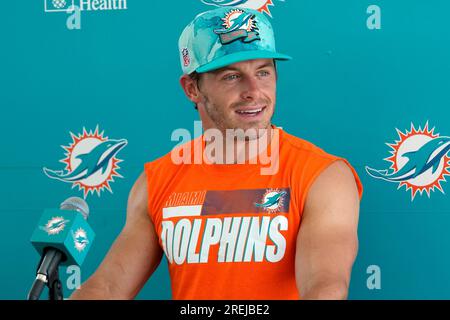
point(239, 57)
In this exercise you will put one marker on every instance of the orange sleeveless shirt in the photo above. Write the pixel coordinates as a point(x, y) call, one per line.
point(228, 231)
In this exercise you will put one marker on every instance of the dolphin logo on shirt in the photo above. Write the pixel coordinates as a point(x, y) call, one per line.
point(271, 200)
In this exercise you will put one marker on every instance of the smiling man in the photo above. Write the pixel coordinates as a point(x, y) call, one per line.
point(229, 231)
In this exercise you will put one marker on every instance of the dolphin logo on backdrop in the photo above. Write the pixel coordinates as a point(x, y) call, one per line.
point(260, 5)
point(419, 161)
point(91, 162)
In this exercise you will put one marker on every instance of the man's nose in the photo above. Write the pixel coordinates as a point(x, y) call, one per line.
point(250, 88)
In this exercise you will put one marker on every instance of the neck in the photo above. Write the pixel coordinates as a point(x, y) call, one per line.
point(236, 146)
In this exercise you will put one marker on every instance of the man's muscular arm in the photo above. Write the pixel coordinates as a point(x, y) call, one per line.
point(327, 242)
point(133, 257)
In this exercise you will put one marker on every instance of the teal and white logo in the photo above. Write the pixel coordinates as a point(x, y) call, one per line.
point(260, 5)
point(55, 225)
point(272, 200)
point(91, 162)
point(58, 5)
point(238, 24)
point(74, 8)
point(80, 239)
point(84, 5)
point(419, 161)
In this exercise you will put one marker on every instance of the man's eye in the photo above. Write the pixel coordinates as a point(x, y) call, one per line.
point(263, 73)
point(231, 77)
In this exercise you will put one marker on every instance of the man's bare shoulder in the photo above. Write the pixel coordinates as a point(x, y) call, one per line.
point(336, 185)
point(138, 198)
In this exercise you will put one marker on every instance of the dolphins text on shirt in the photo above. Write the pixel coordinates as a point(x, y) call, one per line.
point(239, 239)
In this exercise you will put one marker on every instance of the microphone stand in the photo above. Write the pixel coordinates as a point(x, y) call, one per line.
point(54, 284)
point(48, 275)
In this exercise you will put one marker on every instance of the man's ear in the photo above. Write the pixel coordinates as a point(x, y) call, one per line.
point(190, 87)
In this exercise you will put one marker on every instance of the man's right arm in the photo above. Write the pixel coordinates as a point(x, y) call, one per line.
point(133, 257)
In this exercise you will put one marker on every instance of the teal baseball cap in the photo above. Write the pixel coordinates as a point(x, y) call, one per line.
point(226, 35)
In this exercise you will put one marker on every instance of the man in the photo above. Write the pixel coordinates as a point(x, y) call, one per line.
point(230, 230)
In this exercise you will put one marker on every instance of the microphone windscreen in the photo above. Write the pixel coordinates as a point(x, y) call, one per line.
point(76, 204)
